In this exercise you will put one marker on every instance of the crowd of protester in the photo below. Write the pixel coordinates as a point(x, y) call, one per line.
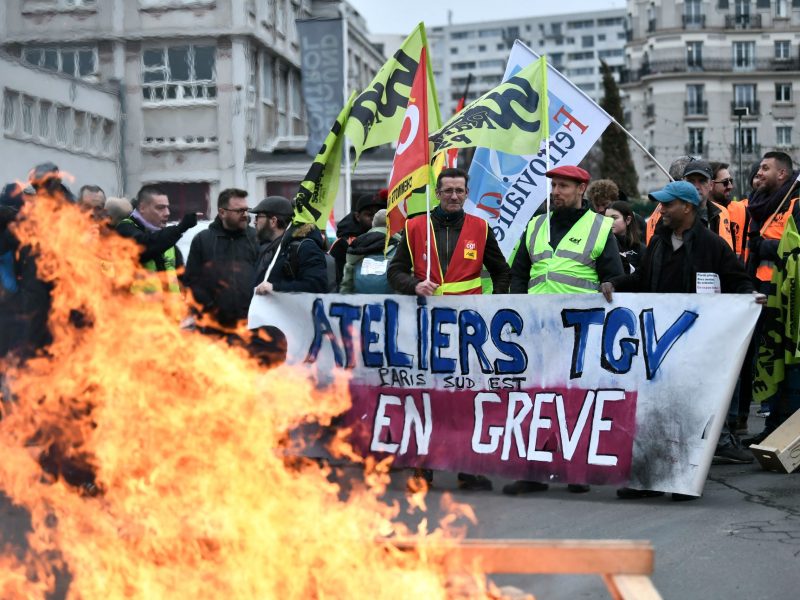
point(697, 227)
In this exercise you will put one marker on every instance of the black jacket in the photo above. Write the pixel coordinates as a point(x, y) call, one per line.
point(347, 230)
point(153, 243)
point(760, 207)
point(607, 265)
point(309, 272)
point(220, 271)
point(447, 229)
point(702, 252)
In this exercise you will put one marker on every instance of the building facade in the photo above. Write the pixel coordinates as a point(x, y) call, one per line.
point(50, 117)
point(711, 78)
point(574, 44)
point(210, 89)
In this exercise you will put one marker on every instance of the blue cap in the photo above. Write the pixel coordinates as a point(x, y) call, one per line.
point(677, 190)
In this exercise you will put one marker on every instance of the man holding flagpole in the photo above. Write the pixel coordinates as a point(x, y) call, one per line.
point(461, 246)
point(445, 254)
point(569, 251)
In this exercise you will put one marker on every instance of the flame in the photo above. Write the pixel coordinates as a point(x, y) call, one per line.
point(152, 461)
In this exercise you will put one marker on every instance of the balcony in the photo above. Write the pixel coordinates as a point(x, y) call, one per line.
point(743, 21)
point(695, 109)
point(785, 64)
point(749, 151)
point(694, 21)
point(695, 149)
point(754, 108)
point(726, 65)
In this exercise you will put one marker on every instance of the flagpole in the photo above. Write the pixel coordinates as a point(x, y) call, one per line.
point(428, 229)
point(546, 110)
point(613, 120)
point(347, 181)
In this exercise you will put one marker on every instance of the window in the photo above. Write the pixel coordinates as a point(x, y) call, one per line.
point(783, 135)
point(693, 13)
point(27, 115)
point(745, 95)
point(748, 141)
point(484, 33)
point(266, 79)
point(580, 24)
point(587, 41)
point(296, 96)
point(601, 37)
point(463, 66)
point(694, 55)
point(581, 71)
point(580, 55)
point(62, 128)
point(79, 131)
point(608, 22)
point(10, 109)
point(783, 49)
point(45, 108)
point(492, 64)
point(783, 92)
point(186, 197)
point(109, 136)
point(461, 35)
point(555, 28)
point(744, 56)
point(695, 100)
point(781, 9)
point(73, 61)
point(179, 73)
point(610, 53)
point(695, 145)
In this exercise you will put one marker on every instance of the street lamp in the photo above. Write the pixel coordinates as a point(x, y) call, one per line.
point(740, 111)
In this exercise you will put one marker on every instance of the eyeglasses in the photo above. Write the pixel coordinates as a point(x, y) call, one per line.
point(238, 211)
point(259, 215)
point(451, 191)
point(725, 182)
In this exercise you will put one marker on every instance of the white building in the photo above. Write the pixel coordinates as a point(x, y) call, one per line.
point(210, 88)
point(692, 64)
point(574, 43)
point(49, 117)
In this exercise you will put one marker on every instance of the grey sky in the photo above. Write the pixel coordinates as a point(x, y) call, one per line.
point(401, 16)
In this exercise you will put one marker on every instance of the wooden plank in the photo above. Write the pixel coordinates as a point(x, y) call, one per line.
point(547, 556)
point(632, 587)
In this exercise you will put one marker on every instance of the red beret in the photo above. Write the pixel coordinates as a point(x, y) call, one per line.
point(570, 172)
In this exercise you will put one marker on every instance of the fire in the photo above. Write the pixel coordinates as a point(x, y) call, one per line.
point(192, 495)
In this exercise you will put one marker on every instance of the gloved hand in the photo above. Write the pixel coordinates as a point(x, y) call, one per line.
point(188, 221)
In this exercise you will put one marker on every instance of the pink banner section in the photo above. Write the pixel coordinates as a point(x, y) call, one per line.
point(555, 434)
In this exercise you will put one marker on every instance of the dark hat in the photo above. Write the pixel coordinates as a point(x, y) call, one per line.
point(676, 190)
point(369, 200)
point(274, 205)
point(701, 167)
point(570, 172)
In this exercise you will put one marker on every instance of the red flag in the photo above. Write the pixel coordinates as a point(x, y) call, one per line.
point(410, 169)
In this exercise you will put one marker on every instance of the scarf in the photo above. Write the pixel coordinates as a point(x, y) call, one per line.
point(147, 225)
point(763, 203)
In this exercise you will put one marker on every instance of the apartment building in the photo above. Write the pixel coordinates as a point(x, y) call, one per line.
point(209, 89)
point(711, 78)
point(50, 117)
point(574, 43)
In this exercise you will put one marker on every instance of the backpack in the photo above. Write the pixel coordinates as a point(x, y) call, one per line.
point(369, 274)
point(294, 264)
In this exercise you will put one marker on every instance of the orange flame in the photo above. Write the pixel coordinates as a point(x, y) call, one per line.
point(193, 496)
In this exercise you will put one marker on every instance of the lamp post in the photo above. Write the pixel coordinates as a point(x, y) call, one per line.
point(740, 111)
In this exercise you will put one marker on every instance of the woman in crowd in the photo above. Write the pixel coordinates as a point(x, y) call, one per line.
point(629, 237)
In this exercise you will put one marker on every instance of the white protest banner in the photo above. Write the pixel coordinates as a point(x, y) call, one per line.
point(506, 189)
point(563, 388)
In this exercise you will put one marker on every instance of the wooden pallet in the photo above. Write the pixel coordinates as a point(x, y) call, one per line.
point(624, 565)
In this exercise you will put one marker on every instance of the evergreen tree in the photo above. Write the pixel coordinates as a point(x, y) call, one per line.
point(616, 163)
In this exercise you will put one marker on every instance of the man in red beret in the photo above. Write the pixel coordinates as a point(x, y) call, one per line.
point(571, 252)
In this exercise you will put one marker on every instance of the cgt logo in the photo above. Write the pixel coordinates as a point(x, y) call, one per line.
point(470, 250)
